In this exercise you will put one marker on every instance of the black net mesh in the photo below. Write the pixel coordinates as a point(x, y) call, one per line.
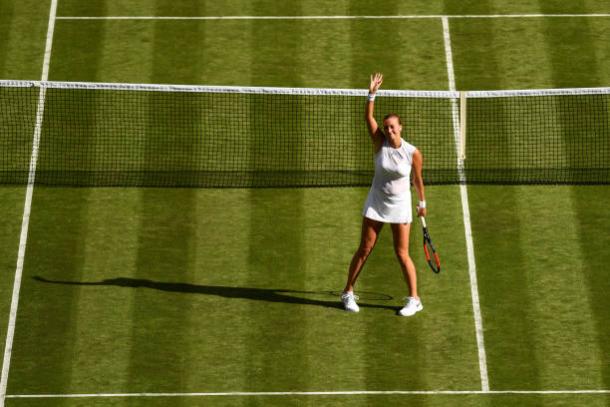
point(166, 138)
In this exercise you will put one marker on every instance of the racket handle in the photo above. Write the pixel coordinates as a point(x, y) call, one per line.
point(423, 221)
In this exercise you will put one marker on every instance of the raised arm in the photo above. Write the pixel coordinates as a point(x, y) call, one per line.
point(418, 182)
point(374, 131)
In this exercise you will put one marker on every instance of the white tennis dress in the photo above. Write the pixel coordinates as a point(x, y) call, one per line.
point(389, 198)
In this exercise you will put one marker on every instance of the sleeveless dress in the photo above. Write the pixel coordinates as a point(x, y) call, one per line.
point(389, 199)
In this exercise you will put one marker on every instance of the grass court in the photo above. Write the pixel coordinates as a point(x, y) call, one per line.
point(198, 292)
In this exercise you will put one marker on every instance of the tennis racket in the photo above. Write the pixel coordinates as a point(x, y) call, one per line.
point(429, 250)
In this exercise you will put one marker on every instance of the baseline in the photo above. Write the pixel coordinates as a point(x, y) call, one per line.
point(314, 393)
point(336, 17)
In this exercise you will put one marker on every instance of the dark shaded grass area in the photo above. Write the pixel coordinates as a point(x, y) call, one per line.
point(587, 201)
point(52, 314)
point(11, 207)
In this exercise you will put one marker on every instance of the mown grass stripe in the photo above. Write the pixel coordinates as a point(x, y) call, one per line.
point(588, 202)
point(275, 330)
point(568, 43)
point(7, 19)
point(160, 353)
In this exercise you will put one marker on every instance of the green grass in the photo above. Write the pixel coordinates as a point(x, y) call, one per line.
point(145, 52)
point(327, 7)
point(11, 207)
point(162, 273)
point(23, 29)
point(556, 311)
point(532, 53)
point(307, 54)
point(130, 290)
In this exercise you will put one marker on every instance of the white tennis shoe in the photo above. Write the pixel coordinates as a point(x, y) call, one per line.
point(349, 302)
point(411, 307)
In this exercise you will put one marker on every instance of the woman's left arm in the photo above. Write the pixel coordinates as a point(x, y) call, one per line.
point(418, 182)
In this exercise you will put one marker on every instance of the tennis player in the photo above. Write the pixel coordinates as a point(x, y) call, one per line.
point(389, 201)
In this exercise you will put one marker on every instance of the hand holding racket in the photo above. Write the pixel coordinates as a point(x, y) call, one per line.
point(429, 250)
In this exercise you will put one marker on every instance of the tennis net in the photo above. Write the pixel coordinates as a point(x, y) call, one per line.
point(95, 134)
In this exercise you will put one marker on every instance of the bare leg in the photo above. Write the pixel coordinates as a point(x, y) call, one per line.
point(400, 232)
point(370, 232)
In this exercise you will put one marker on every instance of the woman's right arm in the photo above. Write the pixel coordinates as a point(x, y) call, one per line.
point(374, 130)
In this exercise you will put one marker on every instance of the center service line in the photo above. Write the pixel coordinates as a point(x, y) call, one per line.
point(472, 268)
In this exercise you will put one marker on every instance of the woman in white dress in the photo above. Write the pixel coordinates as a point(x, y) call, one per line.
point(389, 201)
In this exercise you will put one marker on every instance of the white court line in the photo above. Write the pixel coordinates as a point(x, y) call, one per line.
point(27, 207)
point(391, 17)
point(314, 393)
point(472, 268)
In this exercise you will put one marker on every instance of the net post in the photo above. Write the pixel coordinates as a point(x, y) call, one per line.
point(463, 126)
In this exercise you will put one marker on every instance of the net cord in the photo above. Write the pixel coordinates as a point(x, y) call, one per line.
point(303, 91)
point(223, 89)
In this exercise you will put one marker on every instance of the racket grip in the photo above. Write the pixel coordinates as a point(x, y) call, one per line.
point(423, 221)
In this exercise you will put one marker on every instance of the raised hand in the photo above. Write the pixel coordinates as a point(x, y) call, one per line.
point(376, 81)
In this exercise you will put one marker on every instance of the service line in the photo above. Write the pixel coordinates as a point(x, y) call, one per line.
point(336, 17)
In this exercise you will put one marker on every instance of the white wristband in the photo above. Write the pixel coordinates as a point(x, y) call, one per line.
point(422, 205)
point(371, 97)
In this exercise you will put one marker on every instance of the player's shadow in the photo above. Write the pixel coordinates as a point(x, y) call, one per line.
point(259, 294)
